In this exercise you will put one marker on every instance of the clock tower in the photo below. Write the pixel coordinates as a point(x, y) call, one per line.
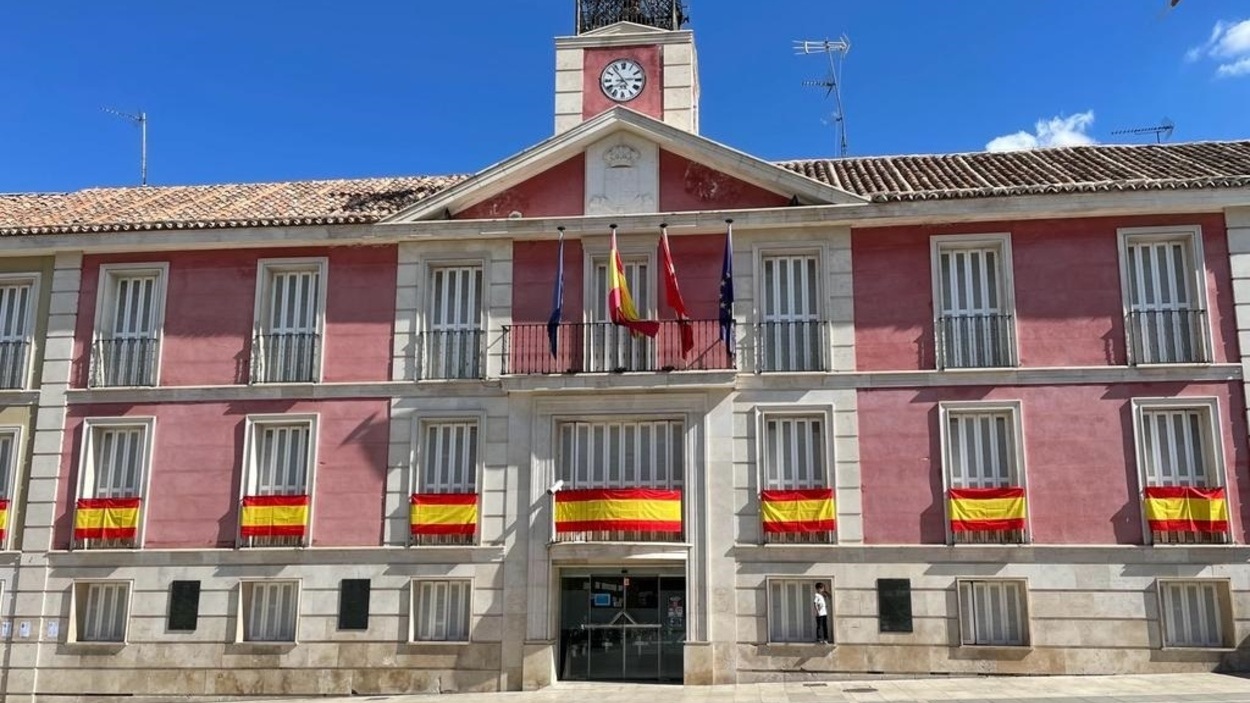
point(631, 53)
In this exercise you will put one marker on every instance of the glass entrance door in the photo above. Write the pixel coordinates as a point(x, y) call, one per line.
point(623, 627)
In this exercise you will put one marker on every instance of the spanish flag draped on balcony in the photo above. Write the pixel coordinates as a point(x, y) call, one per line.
point(443, 514)
point(632, 509)
point(805, 510)
point(274, 516)
point(1186, 509)
point(4, 517)
point(621, 307)
point(106, 518)
point(987, 509)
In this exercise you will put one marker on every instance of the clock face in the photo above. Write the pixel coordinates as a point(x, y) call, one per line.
point(622, 80)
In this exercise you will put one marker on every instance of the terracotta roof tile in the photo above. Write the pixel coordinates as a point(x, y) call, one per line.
point(1087, 169)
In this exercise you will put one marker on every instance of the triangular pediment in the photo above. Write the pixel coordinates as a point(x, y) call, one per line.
point(560, 177)
point(623, 27)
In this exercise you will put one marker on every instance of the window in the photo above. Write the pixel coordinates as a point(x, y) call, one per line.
point(128, 324)
point(983, 472)
point(975, 325)
point(9, 443)
point(441, 610)
point(794, 459)
point(1195, 613)
point(1177, 449)
point(1163, 296)
point(100, 611)
point(612, 348)
point(17, 298)
point(184, 606)
point(270, 611)
point(791, 611)
point(290, 305)
point(277, 487)
point(993, 613)
point(354, 604)
point(112, 477)
point(448, 466)
point(454, 340)
point(791, 333)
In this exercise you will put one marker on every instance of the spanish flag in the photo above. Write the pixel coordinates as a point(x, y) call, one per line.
point(444, 514)
point(274, 516)
point(106, 518)
point(620, 303)
point(637, 509)
point(4, 517)
point(1186, 509)
point(808, 510)
point(987, 509)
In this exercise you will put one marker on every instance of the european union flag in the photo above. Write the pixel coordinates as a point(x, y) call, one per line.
point(557, 302)
point(727, 293)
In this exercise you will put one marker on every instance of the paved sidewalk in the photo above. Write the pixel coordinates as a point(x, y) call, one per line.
point(1162, 688)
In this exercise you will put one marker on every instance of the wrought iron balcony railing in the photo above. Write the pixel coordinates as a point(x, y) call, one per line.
point(123, 362)
point(662, 14)
point(14, 356)
point(286, 358)
point(792, 346)
point(602, 347)
point(1167, 337)
point(453, 354)
point(976, 341)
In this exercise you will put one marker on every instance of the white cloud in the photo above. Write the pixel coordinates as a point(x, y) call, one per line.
point(1229, 45)
point(1056, 131)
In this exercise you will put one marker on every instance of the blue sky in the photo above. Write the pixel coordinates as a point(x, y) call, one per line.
point(242, 90)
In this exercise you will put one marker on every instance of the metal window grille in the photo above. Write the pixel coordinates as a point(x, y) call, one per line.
point(992, 613)
point(1192, 614)
point(14, 333)
point(794, 459)
point(974, 328)
point(271, 611)
point(287, 350)
point(611, 348)
point(280, 455)
point(792, 336)
point(454, 339)
point(8, 445)
point(442, 610)
point(1165, 323)
point(127, 356)
point(448, 465)
point(791, 616)
point(102, 612)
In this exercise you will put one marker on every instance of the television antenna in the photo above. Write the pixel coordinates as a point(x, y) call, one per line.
point(1162, 132)
point(836, 52)
point(141, 120)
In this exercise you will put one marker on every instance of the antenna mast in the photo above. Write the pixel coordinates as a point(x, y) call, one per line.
point(1162, 132)
point(140, 119)
point(836, 52)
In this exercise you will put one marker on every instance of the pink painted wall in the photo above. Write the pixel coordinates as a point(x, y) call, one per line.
point(1069, 308)
point(558, 192)
point(1080, 461)
point(193, 494)
point(649, 102)
point(210, 306)
point(686, 186)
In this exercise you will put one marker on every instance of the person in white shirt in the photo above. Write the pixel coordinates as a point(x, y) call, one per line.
point(821, 607)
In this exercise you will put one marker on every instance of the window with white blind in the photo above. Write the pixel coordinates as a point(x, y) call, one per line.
point(993, 613)
point(101, 610)
point(115, 460)
point(17, 299)
point(454, 336)
point(269, 611)
point(290, 312)
point(611, 347)
point(639, 454)
point(794, 452)
point(980, 447)
point(9, 441)
point(280, 457)
point(1162, 281)
point(441, 610)
point(128, 323)
point(791, 609)
point(448, 457)
point(975, 325)
point(1175, 446)
point(1195, 613)
point(792, 330)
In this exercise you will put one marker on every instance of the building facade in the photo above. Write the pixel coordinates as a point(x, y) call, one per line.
point(328, 438)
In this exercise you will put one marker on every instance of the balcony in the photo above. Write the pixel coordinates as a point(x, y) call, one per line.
point(792, 346)
point(453, 354)
point(274, 520)
point(1186, 514)
point(662, 14)
point(107, 523)
point(1167, 337)
point(286, 358)
point(988, 515)
point(976, 341)
point(13, 357)
point(602, 347)
point(123, 362)
point(647, 515)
